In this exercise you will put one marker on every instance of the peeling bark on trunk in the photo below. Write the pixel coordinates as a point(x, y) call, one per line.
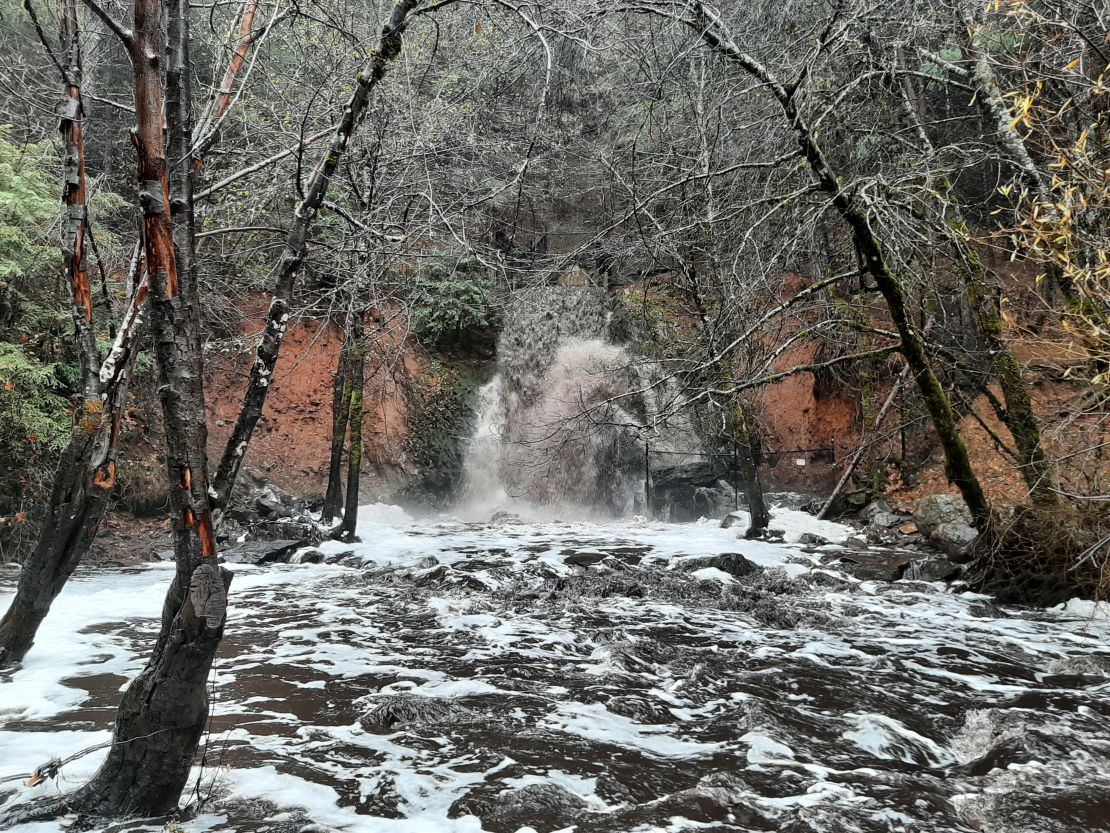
point(165, 709)
point(86, 472)
point(357, 372)
point(262, 371)
point(209, 124)
point(340, 407)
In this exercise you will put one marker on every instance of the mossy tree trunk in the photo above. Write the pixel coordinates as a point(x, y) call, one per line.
point(746, 450)
point(356, 371)
point(854, 209)
point(340, 411)
point(1017, 414)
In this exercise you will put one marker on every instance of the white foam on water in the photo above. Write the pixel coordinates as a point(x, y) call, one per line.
point(708, 682)
point(594, 721)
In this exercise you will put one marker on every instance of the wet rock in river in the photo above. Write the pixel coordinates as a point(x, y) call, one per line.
point(263, 552)
point(810, 539)
point(932, 568)
point(876, 566)
point(732, 563)
point(955, 539)
point(542, 807)
point(584, 559)
point(934, 510)
point(397, 710)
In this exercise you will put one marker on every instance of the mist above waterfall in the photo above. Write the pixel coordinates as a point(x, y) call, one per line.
point(562, 426)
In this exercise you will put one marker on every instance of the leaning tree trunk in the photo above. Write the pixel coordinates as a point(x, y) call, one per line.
point(292, 257)
point(854, 210)
point(1018, 414)
point(165, 709)
point(340, 406)
point(357, 370)
point(86, 472)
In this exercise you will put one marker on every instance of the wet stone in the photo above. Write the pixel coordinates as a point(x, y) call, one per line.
point(262, 552)
point(584, 559)
point(878, 566)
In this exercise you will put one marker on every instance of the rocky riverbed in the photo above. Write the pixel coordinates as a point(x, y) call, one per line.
point(451, 677)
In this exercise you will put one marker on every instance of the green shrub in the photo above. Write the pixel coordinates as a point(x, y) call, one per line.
point(453, 304)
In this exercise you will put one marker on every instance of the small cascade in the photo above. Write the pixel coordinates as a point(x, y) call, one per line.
point(564, 425)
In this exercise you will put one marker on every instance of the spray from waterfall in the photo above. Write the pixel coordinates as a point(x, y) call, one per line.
point(561, 428)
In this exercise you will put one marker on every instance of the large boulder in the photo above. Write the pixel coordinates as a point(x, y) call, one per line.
point(875, 507)
point(263, 552)
point(732, 563)
point(871, 566)
point(934, 510)
point(955, 539)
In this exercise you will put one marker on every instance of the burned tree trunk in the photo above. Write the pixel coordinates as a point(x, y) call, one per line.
point(357, 372)
point(340, 407)
point(86, 471)
point(262, 371)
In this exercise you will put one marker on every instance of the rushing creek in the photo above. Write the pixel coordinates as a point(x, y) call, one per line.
point(450, 677)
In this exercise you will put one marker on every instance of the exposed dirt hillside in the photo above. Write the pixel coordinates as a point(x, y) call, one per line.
point(292, 443)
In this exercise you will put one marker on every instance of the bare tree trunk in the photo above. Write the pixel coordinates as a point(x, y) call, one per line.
point(164, 711)
point(747, 458)
point(357, 370)
point(262, 371)
point(340, 407)
point(858, 455)
point(1018, 414)
point(853, 209)
point(86, 472)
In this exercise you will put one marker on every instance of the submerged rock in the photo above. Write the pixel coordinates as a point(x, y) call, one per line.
point(542, 807)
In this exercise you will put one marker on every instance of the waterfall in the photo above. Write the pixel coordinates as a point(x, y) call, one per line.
point(562, 426)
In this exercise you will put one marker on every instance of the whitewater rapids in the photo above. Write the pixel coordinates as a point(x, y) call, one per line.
point(584, 681)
